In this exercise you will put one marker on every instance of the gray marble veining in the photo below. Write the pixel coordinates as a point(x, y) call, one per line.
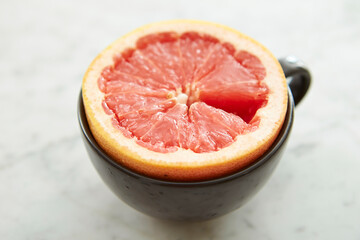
point(48, 188)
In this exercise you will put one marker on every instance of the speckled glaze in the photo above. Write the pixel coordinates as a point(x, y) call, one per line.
point(195, 201)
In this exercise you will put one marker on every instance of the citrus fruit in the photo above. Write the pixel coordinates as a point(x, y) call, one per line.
point(185, 100)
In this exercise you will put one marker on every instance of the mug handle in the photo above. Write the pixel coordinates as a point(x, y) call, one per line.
point(298, 77)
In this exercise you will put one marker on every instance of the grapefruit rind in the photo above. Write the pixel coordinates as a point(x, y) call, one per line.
point(186, 165)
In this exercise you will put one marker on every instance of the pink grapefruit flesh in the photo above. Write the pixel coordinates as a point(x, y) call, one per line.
point(186, 91)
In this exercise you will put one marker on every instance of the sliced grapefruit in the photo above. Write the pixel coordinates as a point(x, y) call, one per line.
point(185, 100)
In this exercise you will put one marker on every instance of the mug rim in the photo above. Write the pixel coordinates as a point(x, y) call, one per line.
point(279, 141)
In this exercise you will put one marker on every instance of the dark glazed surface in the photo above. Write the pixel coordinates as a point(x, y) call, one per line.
point(191, 200)
point(184, 201)
point(299, 77)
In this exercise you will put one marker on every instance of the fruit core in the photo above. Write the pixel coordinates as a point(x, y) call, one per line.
point(186, 90)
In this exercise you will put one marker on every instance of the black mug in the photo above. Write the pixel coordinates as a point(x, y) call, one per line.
point(200, 200)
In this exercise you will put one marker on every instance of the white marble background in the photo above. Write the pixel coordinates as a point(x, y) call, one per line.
point(50, 190)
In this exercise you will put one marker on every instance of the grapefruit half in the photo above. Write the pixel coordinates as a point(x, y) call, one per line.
point(185, 100)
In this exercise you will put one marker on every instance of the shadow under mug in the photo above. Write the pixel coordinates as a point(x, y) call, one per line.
point(201, 200)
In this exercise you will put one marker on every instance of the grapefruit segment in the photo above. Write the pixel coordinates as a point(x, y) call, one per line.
point(139, 68)
point(185, 100)
point(165, 132)
point(252, 63)
point(139, 122)
point(195, 49)
point(129, 75)
point(165, 56)
point(212, 134)
point(114, 87)
point(121, 103)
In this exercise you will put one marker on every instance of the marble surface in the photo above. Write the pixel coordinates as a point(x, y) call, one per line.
point(50, 190)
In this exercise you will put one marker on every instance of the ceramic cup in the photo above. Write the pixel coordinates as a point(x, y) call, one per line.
point(201, 200)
